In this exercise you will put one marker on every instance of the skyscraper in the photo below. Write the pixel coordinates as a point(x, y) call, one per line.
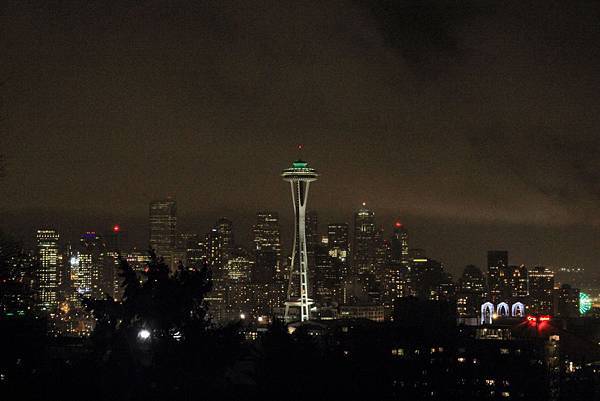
point(225, 244)
point(267, 247)
point(566, 301)
point(395, 275)
point(47, 273)
point(96, 272)
point(470, 292)
point(399, 245)
point(497, 272)
point(163, 225)
point(338, 241)
point(365, 235)
point(541, 286)
point(299, 176)
point(312, 242)
point(518, 283)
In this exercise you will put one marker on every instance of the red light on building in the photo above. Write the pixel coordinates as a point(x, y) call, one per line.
point(398, 224)
point(538, 319)
point(116, 228)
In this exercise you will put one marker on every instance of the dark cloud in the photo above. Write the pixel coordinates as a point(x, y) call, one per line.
point(470, 112)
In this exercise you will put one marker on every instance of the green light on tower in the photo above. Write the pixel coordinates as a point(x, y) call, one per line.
point(585, 303)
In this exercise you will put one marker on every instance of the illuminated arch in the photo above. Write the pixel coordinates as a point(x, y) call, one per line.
point(518, 309)
point(487, 313)
point(502, 309)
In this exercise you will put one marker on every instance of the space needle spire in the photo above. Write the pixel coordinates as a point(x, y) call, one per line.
point(299, 175)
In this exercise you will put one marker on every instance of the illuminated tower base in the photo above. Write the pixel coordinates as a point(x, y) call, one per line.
point(300, 176)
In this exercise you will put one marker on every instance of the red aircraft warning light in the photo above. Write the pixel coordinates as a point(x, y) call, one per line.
point(116, 228)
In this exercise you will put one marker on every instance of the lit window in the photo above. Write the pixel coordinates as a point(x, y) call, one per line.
point(504, 351)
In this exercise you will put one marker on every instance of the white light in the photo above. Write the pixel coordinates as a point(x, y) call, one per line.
point(260, 319)
point(242, 316)
point(74, 261)
point(143, 334)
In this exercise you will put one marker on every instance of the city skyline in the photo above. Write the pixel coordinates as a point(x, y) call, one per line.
point(448, 247)
point(435, 236)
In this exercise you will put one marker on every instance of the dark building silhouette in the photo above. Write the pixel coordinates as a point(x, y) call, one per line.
point(497, 262)
point(163, 228)
point(541, 287)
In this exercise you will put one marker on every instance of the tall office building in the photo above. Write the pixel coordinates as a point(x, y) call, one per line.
point(566, 301)
point(267, 247)
point(365, 241)
point(299, 176)
point(220, 248)
point(470, 293)
point(338, 240)
point(96, 272)
point(312, 242)
point(497, 274)
point(193, 248)
point(338, 243)
point(541, 286)
point(163, 226)
point(225, 244)
point(518, 283)
point(399, 245)
point(395, 275)
point(47, 273)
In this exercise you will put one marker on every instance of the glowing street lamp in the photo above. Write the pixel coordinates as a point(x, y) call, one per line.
point(143, 334)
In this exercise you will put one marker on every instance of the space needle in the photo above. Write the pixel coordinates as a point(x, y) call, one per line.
point(300, 176)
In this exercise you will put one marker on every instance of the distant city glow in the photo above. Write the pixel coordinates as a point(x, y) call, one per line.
point(585, 303)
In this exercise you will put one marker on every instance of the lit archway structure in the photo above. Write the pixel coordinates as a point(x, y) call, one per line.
point(487, 313)
point(502, 309)
point(488, 310)
point(518, 309)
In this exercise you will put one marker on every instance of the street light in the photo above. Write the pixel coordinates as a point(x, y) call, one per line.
point(143, 334)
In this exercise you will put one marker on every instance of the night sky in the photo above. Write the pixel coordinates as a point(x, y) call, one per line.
point(478, 125)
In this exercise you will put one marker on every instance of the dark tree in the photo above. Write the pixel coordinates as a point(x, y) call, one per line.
point(158, 342)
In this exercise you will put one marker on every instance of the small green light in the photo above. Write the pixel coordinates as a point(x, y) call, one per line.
point(299, 164)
